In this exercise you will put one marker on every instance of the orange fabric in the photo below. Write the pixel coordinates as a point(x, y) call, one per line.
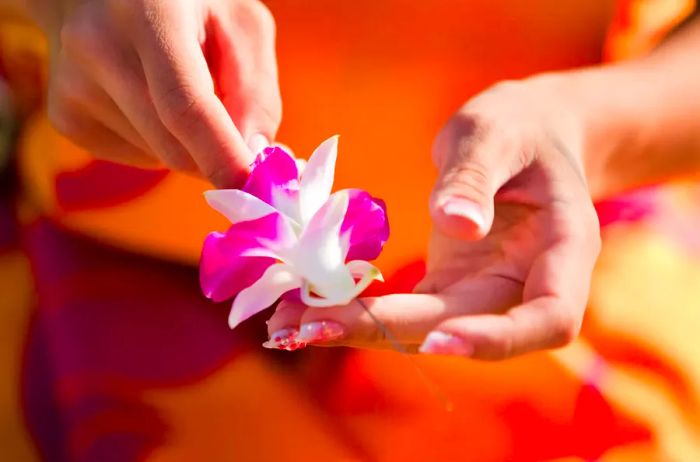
point(15, 303)
point(385, 75)
point(409, 70)
point(639, 25)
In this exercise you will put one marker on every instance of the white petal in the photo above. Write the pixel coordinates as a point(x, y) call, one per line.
point(317, 180)
point(345, 243)
point(288, 203)
point(276, 280)
point(301, 166)
point(320, 256)
point(359, 268)
point(338, 299)
point(237, 205)
point(260, 252)
point(363, 269)
point(282, 247)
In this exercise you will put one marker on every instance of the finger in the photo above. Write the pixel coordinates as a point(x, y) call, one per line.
point(473, 166)
point(404, 318)
point(283, 326)
point(244, 69)
point(97, 139)
point(74, 89)
point(182, 90)
point(542, 323)
point(550, 316)
point(89, 44)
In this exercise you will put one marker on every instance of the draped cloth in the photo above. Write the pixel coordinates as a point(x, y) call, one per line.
point(109, 352)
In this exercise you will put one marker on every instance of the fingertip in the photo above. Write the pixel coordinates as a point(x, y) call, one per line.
point(287, 314)
point(228, 177)
point(257, 142)
point(321, 332)
point(461, 218)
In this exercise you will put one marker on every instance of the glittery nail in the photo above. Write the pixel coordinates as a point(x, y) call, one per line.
point(320, 331)
point(284, 339)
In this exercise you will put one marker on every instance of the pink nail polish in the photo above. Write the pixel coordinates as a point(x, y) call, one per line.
point(442, 343)
point(320, 331)
point(284, 339)
point(456, 206)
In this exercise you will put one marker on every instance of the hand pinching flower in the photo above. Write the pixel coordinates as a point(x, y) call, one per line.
point(290, 235)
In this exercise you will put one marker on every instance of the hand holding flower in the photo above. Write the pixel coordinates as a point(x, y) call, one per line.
point(291, 237)
point(513, 249)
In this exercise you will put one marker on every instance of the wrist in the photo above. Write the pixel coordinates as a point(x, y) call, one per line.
point(564, 123)
point(594, 110)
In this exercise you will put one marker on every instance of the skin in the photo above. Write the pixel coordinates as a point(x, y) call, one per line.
point(512, 275)
point(146, 82)
point(188, 84)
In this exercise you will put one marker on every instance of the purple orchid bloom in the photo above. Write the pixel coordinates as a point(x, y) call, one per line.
point(290, 233)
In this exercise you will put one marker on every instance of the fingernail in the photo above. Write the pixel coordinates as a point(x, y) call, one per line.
point(284, 339)
point(456, 206)
point(320, 331)
point(258, 142)
point(442, 343)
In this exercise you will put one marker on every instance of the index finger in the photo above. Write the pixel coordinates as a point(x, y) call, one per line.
point(183, 93)
point(377, 322)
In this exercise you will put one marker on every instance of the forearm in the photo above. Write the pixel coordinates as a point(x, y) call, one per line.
point(641, 118)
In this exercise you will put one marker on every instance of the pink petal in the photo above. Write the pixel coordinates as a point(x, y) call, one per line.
point(223, 272)
point(273, 172)
point(225, 269)
point(366, 221)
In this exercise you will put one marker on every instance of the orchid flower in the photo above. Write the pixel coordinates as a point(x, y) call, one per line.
point(290, 235)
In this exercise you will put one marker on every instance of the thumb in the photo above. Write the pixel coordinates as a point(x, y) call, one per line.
point(462, 203)
point(471, 172)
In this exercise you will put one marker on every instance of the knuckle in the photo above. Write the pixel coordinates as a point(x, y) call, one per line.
point(458, 138)
point(175, 158)
point(262, 15)
point(582, 227)
point(270, 114)
point(471, 179)
point(566, 328)
point(503, 349)
point(265, 16)
point(179, 107)
point(82, 35)
point(594, 231)
point(64, 120)
point(217, 176)
point(504, 345)
point(73, 90)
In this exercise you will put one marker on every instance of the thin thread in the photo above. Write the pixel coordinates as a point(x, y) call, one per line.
point(430, 384)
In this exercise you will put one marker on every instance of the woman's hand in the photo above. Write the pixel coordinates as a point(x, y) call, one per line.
point(515, 240)
point(189, 84)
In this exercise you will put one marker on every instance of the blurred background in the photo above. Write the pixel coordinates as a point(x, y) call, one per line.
point(108, 351)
